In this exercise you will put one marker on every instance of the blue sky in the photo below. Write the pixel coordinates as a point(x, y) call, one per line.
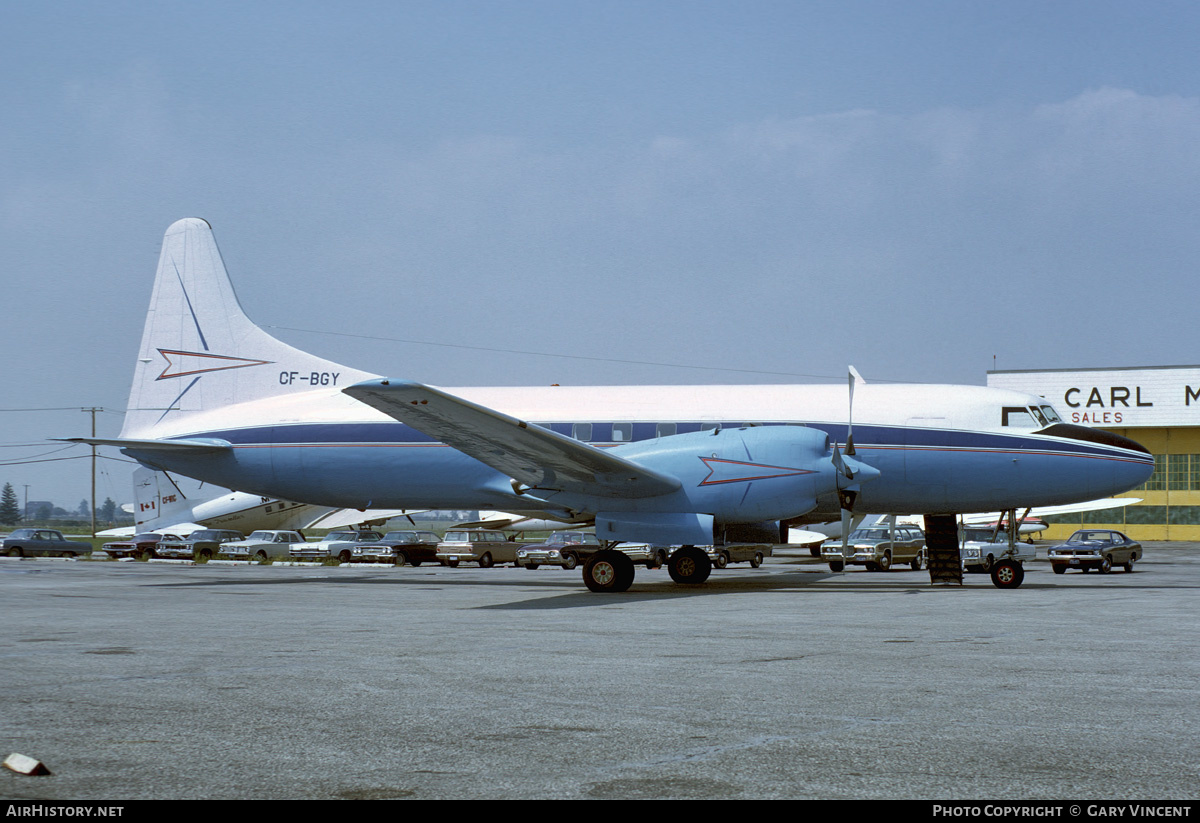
point(773, 187)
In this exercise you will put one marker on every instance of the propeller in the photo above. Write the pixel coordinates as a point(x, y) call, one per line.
point(851, 470)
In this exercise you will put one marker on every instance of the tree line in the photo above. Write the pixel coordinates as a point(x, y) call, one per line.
point(11, 514)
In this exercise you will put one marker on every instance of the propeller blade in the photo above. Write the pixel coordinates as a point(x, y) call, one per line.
point(854, 377)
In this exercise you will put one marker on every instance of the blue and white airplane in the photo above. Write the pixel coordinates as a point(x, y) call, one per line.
point(216, 398)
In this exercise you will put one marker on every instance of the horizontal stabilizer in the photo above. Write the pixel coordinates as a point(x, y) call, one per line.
point(195, 444)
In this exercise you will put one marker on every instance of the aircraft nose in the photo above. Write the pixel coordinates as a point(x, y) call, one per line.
point(1129, 463)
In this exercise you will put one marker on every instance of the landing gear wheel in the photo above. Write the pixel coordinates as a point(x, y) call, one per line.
point(689, 565)
point(608, 571)
point(1007, 574)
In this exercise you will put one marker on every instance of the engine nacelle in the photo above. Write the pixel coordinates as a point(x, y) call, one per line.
point(729, 476)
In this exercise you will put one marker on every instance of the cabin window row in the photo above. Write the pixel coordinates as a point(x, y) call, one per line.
point(629, 432)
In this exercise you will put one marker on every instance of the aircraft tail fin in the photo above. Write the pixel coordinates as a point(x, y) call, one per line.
point(200, 351)
point(157, 500)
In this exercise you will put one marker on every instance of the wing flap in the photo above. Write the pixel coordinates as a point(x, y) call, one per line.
point(537, 457)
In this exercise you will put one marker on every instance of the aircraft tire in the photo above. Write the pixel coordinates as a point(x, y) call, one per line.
point(608, 571)
point(1007, 574)
point(689, 565)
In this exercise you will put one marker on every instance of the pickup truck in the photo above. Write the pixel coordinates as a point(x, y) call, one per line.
point(981, 548)
point(47, 542)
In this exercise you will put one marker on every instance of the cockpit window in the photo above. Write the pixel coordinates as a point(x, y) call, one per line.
point(1051, 414)
point(1038, 416)
point(1017, 417)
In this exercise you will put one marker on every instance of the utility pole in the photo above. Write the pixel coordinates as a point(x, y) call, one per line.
point(93, 411)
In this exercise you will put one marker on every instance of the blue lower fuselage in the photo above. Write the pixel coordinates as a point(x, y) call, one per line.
point(922, 470)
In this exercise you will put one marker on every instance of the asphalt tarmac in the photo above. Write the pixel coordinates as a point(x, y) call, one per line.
point(135, 680)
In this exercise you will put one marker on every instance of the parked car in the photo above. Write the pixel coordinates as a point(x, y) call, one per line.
point(564, 549)
point(874, 548)
point(399, 548)
point(722, 556)
point(982, 547)
point(647, 554)
point(339, 544)
point(261, 545)
point(487, 548)
point(46, 542)
point(201, 544)
point(139, 546)
point(1099, 549)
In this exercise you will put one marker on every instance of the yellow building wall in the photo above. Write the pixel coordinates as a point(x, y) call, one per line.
point(1159, 441)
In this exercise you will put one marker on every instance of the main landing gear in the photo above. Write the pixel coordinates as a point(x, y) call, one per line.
point(610, 570)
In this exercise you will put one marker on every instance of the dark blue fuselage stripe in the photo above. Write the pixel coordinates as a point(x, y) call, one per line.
point(877, 437)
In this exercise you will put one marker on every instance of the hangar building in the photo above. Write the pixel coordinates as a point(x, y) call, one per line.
point(1159, 407)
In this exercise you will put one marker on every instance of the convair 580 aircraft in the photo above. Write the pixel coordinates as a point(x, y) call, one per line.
point(217, 398)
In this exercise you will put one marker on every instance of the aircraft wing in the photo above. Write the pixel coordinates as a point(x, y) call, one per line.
point(1046, 511)
point(537, 457)
point(343, 518)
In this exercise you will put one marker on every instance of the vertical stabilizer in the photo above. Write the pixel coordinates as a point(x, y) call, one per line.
point(200, 351)
point(158, 502)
